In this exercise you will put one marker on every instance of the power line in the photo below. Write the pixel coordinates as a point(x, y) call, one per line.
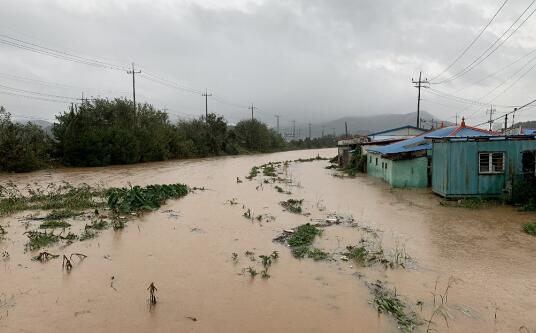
point(35, 97)
point(37, 93)
point(15, 42)
point(472, 42)
point(493, 47)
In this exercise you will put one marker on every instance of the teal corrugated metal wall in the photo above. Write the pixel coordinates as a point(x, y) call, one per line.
point(455, 167)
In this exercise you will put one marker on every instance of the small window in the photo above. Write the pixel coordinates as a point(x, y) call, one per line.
point(529, 163)
point(376, 161)
point(370, 159)
point(491, 163)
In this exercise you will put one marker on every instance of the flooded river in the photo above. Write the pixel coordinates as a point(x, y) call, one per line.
point(186, 249)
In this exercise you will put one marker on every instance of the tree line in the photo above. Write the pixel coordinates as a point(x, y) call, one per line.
point(102, 132)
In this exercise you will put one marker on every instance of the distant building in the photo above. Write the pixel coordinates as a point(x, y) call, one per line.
point(407, 163)
point(481, 166)
point(399, 133)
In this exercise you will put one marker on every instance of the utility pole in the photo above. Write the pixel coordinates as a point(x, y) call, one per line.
point(134, 72)
point(514, 118)
point(505, 123)
point(419, 84)
point(309, 131)
point(323, 127)
point(294, 129)
point(491, 112)
point(252, 108)
point(456, 119)
point(346, 129)
point(299, 133)
point(206, 95)
point(277, 117)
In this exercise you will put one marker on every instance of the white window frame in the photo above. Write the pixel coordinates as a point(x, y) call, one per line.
point(490, 170)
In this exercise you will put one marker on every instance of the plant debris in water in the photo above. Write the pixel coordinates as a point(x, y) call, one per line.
point(300, 240)
point(387, 301)
point(54, 196)
point(530, 228)
point(53, 224)
point(293, 205)
point(137, 199)
point(37, 239)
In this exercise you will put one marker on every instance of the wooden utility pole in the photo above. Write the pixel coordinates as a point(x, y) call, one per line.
point(206, 95)
point(294, 129)
point(419, 84)
point(346, 129)
point(134, 72)
point(505, 122)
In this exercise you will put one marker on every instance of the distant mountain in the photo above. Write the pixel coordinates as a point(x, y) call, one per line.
point(45, 125)
point(370, 124)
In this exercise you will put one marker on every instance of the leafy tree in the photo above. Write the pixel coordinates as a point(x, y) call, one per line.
point(23, 148)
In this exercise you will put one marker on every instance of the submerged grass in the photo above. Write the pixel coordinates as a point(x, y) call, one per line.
point(53, 196)
point(530, 228)
point(304, 235)
point(137, 199)
point(54, 224)
point(293, 205)
point(37, 240)
point(387, 301)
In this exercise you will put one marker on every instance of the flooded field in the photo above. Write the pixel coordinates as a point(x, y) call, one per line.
point(194, 250)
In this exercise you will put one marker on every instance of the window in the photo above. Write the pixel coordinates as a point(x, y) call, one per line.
point(370, 159)
point(376, 161)
point(491, 163)
point(529, 163)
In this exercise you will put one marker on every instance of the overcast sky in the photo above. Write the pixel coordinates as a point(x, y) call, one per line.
point(308, 60)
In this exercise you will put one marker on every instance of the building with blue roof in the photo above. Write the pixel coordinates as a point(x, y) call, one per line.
point(408, 163)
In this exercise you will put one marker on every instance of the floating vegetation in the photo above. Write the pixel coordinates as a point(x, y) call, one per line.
point(53, 224)
point(235, 257)
point(61, 214)
point(247, 214)
point(293, 205)
point(2, 230)
point(281, 190)
point(317, 158)
point(253, 173)
point(265, 218)
point(252, 272)
point(152, 296)
point(303, 235)
point(269, 170)
point(300, 240)
point(370, 251)
point(387, 301)
point(530, 228)
point(37, 240)
point(45, 256)
point(98, 224)
point(87, 234)
point(118, 223)
point(53, 196)
point(137, 199)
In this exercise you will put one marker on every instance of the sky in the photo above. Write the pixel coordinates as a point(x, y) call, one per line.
point(305, 60)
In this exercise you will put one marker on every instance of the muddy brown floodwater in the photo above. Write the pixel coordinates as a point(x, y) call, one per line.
point(187, 252)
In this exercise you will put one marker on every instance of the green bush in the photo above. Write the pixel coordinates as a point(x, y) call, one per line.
point(23, 148)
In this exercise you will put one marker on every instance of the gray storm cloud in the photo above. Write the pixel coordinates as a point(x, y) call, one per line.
point(308, 60)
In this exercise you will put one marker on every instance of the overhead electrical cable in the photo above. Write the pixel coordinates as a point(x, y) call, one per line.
point(472, 42)
point(493, 47)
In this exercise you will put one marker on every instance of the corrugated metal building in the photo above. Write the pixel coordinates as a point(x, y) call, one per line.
point(481, 167)
point(408, 163)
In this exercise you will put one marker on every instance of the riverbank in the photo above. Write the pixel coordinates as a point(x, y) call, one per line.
point(186, 248)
